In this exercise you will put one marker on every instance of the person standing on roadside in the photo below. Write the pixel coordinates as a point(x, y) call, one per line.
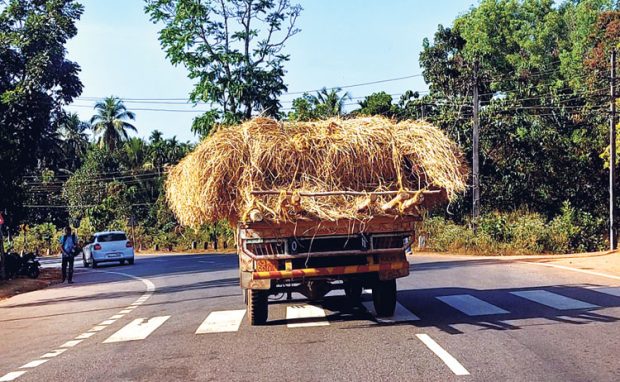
point(68, 246)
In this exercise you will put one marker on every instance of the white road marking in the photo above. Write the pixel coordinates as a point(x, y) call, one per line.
point(107, 322)
point(222, 322)
point(138, 329)
point(116, 316)
point(54, 353)
point(70, 344)
point(309, 315)
point(12, 375)
point(84, 336)
point(448, 359)
point(125, 311)
point(97, 328)
point(614, 291)
point(401, 314)
point(471, 305)
point(572, 269)
point(553, 300)
point(35, 363)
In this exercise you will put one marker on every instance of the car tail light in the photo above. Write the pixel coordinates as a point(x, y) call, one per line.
point(129, 244)
point(97, 247)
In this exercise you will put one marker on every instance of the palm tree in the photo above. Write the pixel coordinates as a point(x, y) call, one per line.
point(73, 132)
point(110, 122)
point(330, 103)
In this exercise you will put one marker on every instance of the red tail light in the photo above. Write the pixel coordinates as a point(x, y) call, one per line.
point(97, 247)
point(129, 244)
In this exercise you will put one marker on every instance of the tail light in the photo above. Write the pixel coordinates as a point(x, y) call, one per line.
point(97, 247)
point(129, 244)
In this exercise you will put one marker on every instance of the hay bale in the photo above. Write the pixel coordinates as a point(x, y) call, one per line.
point(297, 159)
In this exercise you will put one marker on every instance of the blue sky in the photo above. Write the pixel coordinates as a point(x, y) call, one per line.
point(342, 42)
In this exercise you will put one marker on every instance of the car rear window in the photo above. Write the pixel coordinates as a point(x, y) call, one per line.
point(111, 237)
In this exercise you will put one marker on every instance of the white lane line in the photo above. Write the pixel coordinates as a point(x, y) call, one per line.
point(54, 353)
point(70, 344)
point(35, 363)
point(448, 359)
point(308, 315)
point(11, 376)
point(84, 336)
point(222, 322)
point(97, 328)
point(553, 300)
point(471, 305)
point(401, 314)
point(107, 322)
point(125, 311)
point(614, 291)
point(138, 329)
point(116, 316)
point(572, 269)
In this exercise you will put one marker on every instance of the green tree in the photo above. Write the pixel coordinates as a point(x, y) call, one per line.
point(325, 104)
point(36, 81)
point(232, 49)
point(537, 123)
point(110, 122)
point(75, 139)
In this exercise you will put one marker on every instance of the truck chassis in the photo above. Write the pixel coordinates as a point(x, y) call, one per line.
point(314, 258)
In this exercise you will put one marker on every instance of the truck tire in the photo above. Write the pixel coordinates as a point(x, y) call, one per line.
point(384, 297)
point(353, 291)
point(257, 306)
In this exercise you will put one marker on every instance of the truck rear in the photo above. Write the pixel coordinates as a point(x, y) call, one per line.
point(314, 258)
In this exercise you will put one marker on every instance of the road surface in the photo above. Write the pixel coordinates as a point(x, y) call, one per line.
point(182, 318)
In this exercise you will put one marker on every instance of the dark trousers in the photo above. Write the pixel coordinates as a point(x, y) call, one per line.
point(67, 273)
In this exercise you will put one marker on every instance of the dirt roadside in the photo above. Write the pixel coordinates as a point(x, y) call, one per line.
point(48, 276)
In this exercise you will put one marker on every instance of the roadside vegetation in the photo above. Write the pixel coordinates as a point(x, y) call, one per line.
point(543, 84)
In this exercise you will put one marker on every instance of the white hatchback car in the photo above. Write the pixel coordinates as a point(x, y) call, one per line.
point(107, 247)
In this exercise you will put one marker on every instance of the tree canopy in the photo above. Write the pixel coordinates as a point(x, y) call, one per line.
point(232, 49)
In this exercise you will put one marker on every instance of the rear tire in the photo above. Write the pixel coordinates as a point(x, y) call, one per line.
point(84, 262)
point(257, 306)
point(34, 272)
point(353, 291)
point(95, 265)
point(384, 297)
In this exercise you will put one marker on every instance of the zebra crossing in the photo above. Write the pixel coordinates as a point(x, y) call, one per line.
point(302, 315)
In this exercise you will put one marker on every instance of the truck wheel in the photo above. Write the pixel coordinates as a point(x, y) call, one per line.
point(384, 297)
point(257, 306)
point(353, 291)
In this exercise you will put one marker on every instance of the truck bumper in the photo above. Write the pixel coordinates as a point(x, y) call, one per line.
point(386, 271)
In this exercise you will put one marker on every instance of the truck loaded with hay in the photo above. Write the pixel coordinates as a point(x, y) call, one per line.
point(318, 205)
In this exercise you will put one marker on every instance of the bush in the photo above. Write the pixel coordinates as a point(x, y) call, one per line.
point(517, 233)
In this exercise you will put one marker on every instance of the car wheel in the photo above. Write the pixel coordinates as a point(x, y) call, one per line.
point(122, 262)
point(95, 265)
point(84, 262)
point(131, 261)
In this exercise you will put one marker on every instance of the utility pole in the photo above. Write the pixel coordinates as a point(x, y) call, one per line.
point(475, 159)
point(612, 152)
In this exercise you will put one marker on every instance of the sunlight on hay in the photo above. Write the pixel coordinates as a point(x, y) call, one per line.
point(371, 154)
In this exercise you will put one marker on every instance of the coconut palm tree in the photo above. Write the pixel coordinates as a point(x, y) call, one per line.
point(330, 103)
point(75, 138)
point(110, 123)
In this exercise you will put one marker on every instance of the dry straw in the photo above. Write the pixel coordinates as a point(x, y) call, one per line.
point(302, 161)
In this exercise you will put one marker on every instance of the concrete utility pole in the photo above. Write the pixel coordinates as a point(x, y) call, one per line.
point(612, 152)
point(475, 159)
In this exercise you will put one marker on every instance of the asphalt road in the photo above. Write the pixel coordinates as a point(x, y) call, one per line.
point(459, 319)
